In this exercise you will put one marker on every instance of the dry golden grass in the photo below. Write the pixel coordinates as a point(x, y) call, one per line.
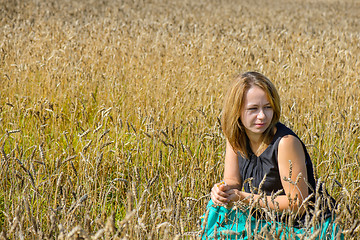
point(109, 110)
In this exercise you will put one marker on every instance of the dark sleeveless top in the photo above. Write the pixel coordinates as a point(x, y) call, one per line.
point(257, 166)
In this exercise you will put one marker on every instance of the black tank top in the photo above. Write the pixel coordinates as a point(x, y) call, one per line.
point(256, 167)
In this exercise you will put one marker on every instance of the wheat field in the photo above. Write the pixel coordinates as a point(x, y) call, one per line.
point(109, 110)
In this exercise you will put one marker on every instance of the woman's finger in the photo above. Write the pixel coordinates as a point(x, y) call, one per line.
point(218, 198)
point(217, 202)
point(219, 192)
point(234, 195)
point(224, 188)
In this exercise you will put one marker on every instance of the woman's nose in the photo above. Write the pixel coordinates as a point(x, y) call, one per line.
point(261, 114)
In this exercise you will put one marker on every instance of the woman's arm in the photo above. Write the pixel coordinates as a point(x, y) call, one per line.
point(231, 169)
point(232, 178)
point(290, 148)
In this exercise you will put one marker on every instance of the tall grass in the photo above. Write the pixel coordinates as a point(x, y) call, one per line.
point(109, 110)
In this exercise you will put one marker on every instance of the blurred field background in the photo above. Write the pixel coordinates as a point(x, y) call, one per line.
point(109, 110)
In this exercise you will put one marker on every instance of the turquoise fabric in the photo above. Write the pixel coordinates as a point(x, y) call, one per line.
point(237, 224)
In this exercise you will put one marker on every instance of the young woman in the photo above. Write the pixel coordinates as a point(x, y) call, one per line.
point(272, 166)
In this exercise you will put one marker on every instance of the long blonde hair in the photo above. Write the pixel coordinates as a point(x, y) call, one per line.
point(231, 124)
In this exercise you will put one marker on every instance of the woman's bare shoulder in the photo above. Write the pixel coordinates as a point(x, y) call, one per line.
point(289, 141)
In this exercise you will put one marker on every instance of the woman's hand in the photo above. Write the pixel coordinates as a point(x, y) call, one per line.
point(219, 195)
point(234, 195)
point(222, 194)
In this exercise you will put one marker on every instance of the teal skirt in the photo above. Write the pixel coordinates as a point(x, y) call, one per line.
point(234, 223)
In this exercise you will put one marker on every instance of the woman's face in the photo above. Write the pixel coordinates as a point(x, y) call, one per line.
point(256, 113)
